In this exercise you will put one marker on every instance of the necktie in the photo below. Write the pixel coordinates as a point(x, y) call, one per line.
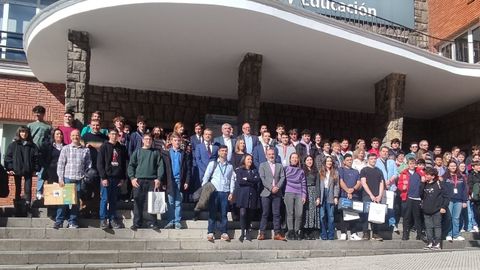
point(266, 148)
point(209, 150)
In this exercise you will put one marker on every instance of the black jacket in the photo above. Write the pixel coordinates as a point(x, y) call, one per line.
point(105, 158)
point(434, 196)
point(473, 178)
point(23, 159)
point(184, 170)
point(49, 160)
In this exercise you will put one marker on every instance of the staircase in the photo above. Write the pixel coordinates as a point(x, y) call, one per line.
point(32, 243)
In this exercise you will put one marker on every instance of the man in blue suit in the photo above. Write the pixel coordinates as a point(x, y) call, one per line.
point(246, 136)
point(205, 152)
point(260, 150)
point(227, 140)
point(195, 140)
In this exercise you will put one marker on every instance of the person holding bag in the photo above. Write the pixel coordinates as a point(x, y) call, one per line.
point(145, 170)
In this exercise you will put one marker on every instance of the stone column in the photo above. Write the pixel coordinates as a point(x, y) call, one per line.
point(421, 25)
point(389, 106)
point(78, 73)
point(249, 89)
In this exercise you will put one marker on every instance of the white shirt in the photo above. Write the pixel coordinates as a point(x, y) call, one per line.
point(228, 143)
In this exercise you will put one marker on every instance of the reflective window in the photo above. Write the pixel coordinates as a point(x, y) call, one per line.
point(45, 3)
point(19, 17)
point(476, 44)
point(447, 51)
point(461, 48)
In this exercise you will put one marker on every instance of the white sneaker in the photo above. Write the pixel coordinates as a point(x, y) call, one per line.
point(355, 237)
point(449, 238)
point(343, 236)
point(39, 196)
point(462, 230)
point(459, 238)
point(475, 229)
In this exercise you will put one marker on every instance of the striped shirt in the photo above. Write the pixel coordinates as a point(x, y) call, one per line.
point(73, 162)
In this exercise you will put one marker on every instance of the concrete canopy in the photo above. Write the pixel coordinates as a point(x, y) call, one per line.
point(195, 47)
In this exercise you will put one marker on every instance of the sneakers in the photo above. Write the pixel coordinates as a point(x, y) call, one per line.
point(134, 227)
point(459, 238)
point(462, 230)
point(449, 238)
point(104, 224)
point(366, 236)
point(225, 237)
point(210, 237)
point(178, 226)
point(355, 237)
point(57, 226)
point(396, 230)
point(72, 226)
point(39, 196)
point(377, 237)
point(343, 236)
point(474, 229)
point(436, 247)
point(170, 225)
point(116, 224)
point(428, 246)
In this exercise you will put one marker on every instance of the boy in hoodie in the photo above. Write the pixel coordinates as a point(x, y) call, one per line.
point(435, 200)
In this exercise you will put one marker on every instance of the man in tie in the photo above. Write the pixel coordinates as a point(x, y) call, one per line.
point(204, 153)
point(273, 179)
point(259, 151)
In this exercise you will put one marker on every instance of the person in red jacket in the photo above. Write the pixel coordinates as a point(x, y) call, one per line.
point(409, 183)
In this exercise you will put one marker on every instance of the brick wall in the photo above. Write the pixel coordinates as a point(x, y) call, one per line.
point(448, 18)
point(18, 96)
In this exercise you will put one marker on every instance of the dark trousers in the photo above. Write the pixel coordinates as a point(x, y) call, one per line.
point(364, 220)
point(27, 188)
point(245, 218)
point(344, 226)
point(140, 195)
point(433, 227)
point(412, 211)
point(271, 204)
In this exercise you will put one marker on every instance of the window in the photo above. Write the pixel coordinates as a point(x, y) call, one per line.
point(19, 17)
point(461, 48)
point(446, 51)
point(476, 44)
point(44, 3)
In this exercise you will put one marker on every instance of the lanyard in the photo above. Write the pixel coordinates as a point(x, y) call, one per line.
point(455, 180)
point(224, 170)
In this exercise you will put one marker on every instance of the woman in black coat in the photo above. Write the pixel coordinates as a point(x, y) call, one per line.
point(22, 160)
point(50, 152)
point(246, 194)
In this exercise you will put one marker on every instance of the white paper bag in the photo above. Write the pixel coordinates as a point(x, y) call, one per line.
point(357, 206)
point(349, 215)
point(156, 202)
point(388, 198)
point(377, 213)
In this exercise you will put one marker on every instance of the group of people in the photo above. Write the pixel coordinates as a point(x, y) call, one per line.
point(299, 179)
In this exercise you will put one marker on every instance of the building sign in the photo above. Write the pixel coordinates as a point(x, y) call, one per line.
point(397, 11)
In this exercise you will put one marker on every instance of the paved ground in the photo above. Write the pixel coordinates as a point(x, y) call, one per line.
point(458, 260)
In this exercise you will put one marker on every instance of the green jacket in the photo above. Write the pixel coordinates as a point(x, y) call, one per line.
point(146, 164)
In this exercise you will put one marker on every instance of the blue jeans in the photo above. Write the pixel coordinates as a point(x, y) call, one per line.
point(218, 200)
point(175, 203)
point(40, 181)
point(108, 196)
point(72, 210)
point(327, 221)
point(455, 209)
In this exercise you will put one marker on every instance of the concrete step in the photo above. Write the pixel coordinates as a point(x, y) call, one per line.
point(197, 244)
point(109, 266)
point(172, 256)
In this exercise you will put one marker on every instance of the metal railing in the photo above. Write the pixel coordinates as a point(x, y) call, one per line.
point(11, 47)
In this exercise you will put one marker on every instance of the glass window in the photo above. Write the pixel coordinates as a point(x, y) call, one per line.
point(476, 44)
point(461, 48)
point(447, 51)
point(19, 17)
point(44, 3)
point(1, 15)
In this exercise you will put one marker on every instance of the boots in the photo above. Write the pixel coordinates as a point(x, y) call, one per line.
point(248, 235)
point(406, 235)
point(291, 235)
point(299, 235)
point(242, 236)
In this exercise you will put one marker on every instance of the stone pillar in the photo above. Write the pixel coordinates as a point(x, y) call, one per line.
point(249, 89)
point(421, 25)
point(389, 106)
point(78, 73)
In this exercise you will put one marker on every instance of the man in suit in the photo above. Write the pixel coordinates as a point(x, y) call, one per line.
point(195, 140)
point(260, 151)
point(177, 179)
point(246, 136)
point(273, 179)
point(205, 152)
point(226, 139)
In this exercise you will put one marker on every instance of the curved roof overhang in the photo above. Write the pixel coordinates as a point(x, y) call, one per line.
point(195, 47)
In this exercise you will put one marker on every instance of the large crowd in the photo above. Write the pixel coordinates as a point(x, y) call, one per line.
point(300, 180)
